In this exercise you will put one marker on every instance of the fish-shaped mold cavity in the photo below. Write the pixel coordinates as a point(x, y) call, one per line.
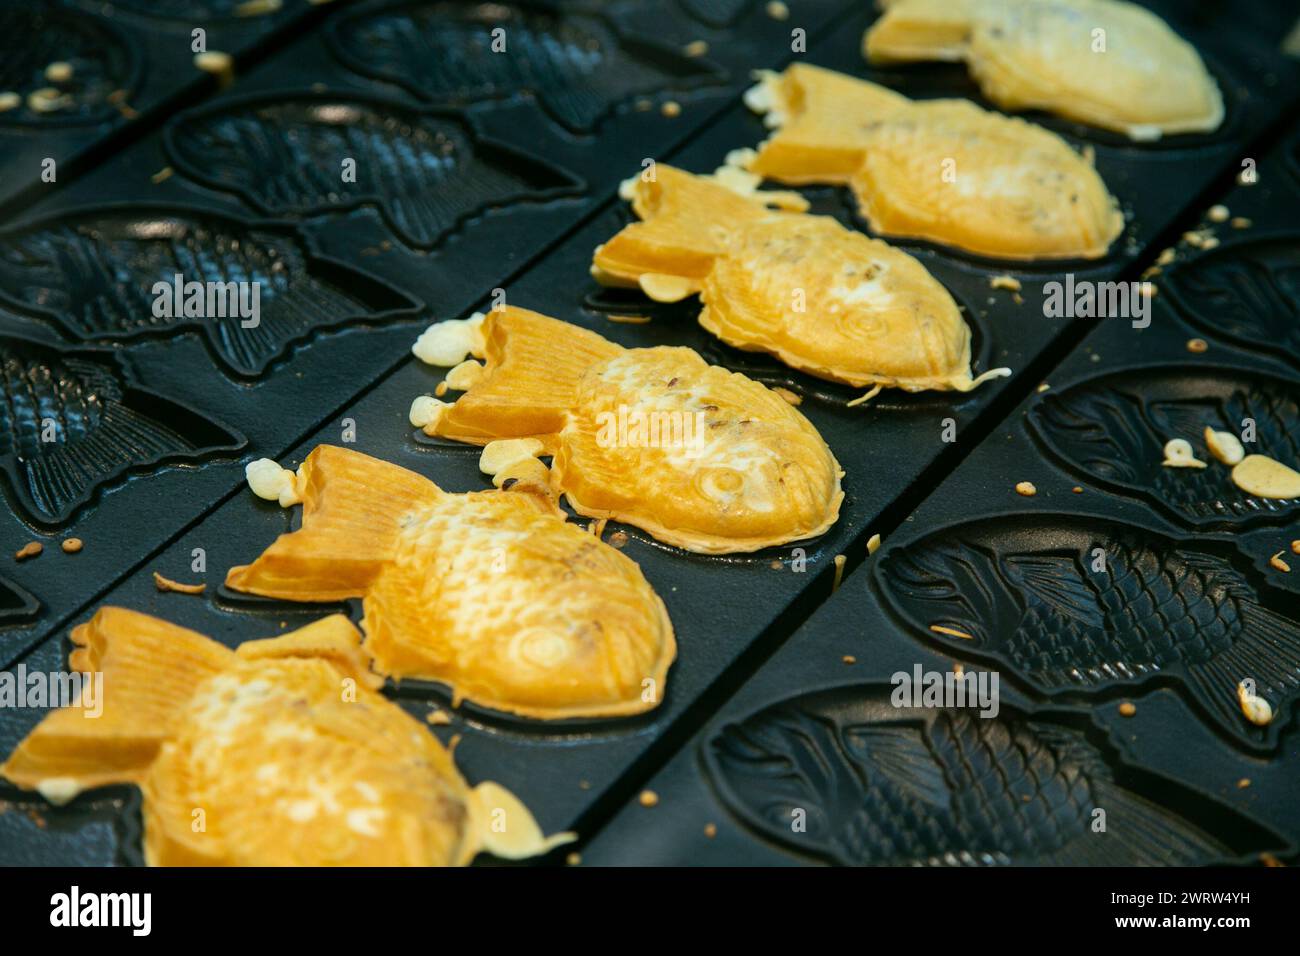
point(426, 173)
point(491, 593)
point(1086, 606)
point(283, 744)
point(886, 785)
point(73, 422)
point(1113, 428)
point(823, 299)
point(717, 13)
point(109, 273)
point(699, 457)
point(1247, 292)
point(191, 10)
point(104, 68)
point(944, 170)
point(1105, 63)
point(575, 64)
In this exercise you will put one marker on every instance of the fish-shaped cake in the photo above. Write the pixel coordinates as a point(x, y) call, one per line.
point(278, 753)
point(878, 784)
point(492, 593)
point(1102, 604)
point(822, 298)
point(699, 457)
point(940, 170)
point(1106, 63)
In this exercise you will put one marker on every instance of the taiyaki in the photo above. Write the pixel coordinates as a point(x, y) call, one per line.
point(822, 298)
point(279, 753)
point(491, 593)
point(699, 457)
point(1104, 604)
point(941, 170)
point(1103, 62)
point(885, 785)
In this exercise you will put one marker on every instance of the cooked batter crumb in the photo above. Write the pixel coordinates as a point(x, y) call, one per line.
point(58, 72)
point(597, 527)
point(1278, 564)
point(573, 859)
point(951, 632)
point(849, 659)
point(1043, 386)
point(1077, 490)
point(648, 798)
point(440, 389)
point(958, 670)
point(1268, 859)
point(1166, 257)
point(221, 65)
point(1179, 454)
point(873, 544)
point(1011, 283)
point(1219, 213)
point(1243, 783)
point(696, 48)
point(778, 10)
point(9, 100)
point(618, 539)
point(257, 8)
point(584, 784)
point(1255, 709)
point(162, 175)
point(643, 105)
point(1197, 345)
point(1295, 546)
point(30, 550)
point(776, 565)
point(710, 830)
point(1026, 488)
point(1127, 709)
point(71, 545)
point(839, 572)
point(629, 319)
point(671, 109)
point(167, 584)
point(1240, 222)
point(438, 717)
point(788, 395)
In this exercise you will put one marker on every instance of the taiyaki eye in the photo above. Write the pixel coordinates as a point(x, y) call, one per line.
point(542, 647)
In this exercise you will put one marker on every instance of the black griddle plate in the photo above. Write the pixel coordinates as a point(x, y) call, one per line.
point(545, 171)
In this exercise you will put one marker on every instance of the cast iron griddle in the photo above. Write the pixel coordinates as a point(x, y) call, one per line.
point(478, 179)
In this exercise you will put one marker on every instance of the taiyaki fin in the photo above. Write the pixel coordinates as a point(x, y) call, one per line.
point(903, 754)
point(529, 380)
point(353, 509)
point(505, 828)
point(150, 668)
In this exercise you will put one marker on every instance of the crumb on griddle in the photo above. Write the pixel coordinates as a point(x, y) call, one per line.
point(671, 109)
point(839, 572)
point(710, 830)
point(72, 545)
point(778, 10)
point(618, 539)
point(1218, 213)
point(1197, 345)
point(696, 48)
point(1026, 488)
point(648, 798)
point(1243, 783)
point(573, 859)
point(849, 659)
point(162, 175)
point(629, 319)
point(873, 544)
point(1010, 283)
point(438, 717)
point(1278, 564)
point(30, 550)
point(1240, 222)
point(167, 584)
point(1127, 708)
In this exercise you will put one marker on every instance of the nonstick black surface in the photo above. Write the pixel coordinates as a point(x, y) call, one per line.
point(530, 193)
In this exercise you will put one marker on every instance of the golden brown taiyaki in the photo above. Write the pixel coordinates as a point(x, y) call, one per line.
point(1102, 62)
point(941, 170)
point(492, 593)
point(698, 456)
point(824, 299)
point(279, 753)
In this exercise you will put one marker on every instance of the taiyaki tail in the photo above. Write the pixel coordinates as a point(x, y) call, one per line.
point(145, 670)
point(334, 639)
point(1267, 652)
point(920, 30)
point(684, 221)
point(353, 510)
point(530, 381)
